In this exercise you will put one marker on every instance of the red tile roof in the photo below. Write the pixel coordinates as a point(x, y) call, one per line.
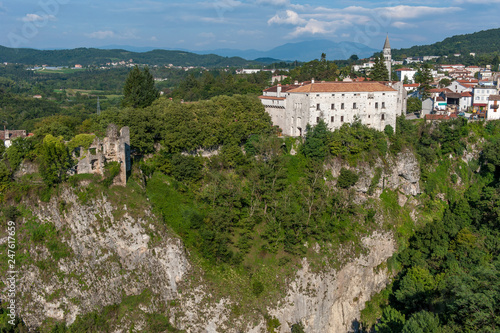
point(284, 88)
point(367, 86)
point(404, 69)
point(494, 98)
point(466, 94)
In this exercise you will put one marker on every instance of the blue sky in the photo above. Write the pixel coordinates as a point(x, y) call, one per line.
point(239, 24)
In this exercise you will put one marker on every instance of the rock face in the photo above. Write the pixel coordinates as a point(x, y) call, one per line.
point(400, 173)
point(112, 257)
point(115, 254)
point(332, 302)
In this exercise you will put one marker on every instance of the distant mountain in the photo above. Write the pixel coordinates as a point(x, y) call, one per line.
point(92, 56)
point(485, 41)
point(302, 51)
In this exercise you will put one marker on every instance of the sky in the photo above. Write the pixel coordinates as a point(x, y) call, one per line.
point(237, 24)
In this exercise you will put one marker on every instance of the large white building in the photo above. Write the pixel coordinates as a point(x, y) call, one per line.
point(406, 73)
point(375, 104)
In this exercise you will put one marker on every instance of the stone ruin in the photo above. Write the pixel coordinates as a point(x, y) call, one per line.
point(115, 147)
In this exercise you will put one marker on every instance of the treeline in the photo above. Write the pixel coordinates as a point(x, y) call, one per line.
point(91, 56)
point(486, 41)
point(214, 83)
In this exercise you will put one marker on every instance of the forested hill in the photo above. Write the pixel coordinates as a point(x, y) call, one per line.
point(91, 56)
point(485, 41)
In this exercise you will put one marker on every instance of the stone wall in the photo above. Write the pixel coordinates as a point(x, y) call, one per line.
point(115, 147)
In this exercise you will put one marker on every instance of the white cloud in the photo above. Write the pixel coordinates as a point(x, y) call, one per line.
point(403, 25)
point(37, 18)
point(277, 3)
point(102, 34)
point(323, 20)
point(313, 27)
point(153, 38)
point(290, 18)
point(207, 35)
point(106, 34)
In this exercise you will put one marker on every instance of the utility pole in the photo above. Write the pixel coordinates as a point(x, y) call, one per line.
point(98, 106)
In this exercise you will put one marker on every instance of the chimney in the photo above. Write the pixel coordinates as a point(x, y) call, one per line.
point(312, 80)
point(296, 82)
point(279, 91)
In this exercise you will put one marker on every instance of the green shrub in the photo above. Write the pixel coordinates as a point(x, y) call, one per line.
point(347, 178)
point(257, 288)
point(111, 170)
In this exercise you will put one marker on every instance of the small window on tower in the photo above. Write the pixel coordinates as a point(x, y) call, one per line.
point(317, 120)
point(376, 105)
point(382, 116)
point(331, 119)
point(317, 106)
point(342, 106)
point(383, 105)
point(332, 107)
point(354, 106)
point(341, 119)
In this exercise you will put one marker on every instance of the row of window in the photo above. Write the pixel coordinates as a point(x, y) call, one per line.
point(332, 118)
point(342, 106)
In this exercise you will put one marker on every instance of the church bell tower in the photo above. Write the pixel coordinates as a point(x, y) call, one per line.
point(387, 56)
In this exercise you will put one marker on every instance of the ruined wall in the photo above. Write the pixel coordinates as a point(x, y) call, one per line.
point(115, 147)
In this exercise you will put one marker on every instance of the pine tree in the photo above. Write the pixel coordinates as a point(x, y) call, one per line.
point(379, 71)
point(424, 77)
point(139, 90)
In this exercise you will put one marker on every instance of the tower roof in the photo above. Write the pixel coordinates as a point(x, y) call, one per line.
point(386, 44)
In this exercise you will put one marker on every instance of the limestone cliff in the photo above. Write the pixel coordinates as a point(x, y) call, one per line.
point(118, 251)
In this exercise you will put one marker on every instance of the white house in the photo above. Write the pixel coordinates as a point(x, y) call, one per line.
point(406, 72)
point(465, 101)
point(492, 112)
point(375, 104)
point(481, 96)
point(458, 87)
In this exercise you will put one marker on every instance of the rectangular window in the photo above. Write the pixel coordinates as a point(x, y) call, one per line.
point(317, 106)
point(317, 120)
point(383, 105)
point(332, 106)
point(341, 119)
point(354, 106)
point(331, 119)
point(376, 105)
point(342, 106)
point(343, 94)
point(382, 116)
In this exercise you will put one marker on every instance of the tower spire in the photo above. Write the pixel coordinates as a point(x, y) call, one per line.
point(386, 44)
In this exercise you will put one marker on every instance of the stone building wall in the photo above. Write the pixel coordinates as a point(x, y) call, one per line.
point(115, 147)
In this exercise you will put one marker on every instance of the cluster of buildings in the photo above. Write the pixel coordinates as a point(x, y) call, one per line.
point(375, 104)
point(472, 92)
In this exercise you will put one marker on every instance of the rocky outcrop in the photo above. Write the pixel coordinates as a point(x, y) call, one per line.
point(112, 256)
point(332, 301)
point(400, 173)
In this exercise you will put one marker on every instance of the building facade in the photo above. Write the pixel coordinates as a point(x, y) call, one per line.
point(374, 104)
